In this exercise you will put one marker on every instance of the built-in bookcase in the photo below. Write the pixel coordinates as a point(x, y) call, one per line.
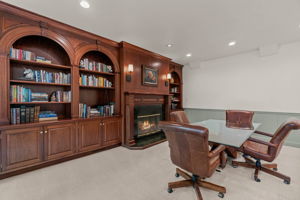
point(27, 54)
point(175, 91)
point(98, 66)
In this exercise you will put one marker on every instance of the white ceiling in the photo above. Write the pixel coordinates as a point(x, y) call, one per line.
point(200, 27)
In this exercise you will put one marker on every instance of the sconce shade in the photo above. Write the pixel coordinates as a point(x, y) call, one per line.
point(169, 76)
point(130, 68)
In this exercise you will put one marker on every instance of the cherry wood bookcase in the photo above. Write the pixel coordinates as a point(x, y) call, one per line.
point(29, 146)
point(176, 86)
point(25, 147)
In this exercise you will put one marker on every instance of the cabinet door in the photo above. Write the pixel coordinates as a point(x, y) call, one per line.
point(89, 137)
point(59, 141)
point(111, 131)
point(22, 147)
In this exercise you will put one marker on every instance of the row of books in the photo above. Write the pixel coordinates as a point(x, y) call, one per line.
point(86, 111)
point(61, 96)
point(91, 80)
point(174, 89)
point(43, 76)
point(24, 114)
point(21, 54)
point(95, 66)
point(21, 94)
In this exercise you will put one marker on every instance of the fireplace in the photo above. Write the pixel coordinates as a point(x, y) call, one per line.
point(146, 119)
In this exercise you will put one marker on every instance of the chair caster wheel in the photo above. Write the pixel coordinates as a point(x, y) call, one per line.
point(221, 195)
point(170, 190)
point(234, 166)
point(257, 180)
point(275, 169)
point(287, 182)
point(176, 175)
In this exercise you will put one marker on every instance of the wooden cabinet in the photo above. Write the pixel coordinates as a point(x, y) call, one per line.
point(21, 147)
point(59, 140)
point(89, 135)
point(111, 131)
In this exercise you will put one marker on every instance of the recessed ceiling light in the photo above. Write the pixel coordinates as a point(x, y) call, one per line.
point(232, 43)
point(84, 4)
point(188, 55)
point(169, 45)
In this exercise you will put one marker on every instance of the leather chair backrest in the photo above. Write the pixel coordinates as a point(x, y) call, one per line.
point(188, 147)
point(281, 134)
point(239, 119)
point(179, 117)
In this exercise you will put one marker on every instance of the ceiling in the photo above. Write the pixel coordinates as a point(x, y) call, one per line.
point(200, 27)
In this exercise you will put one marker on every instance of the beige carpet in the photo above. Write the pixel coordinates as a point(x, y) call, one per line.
point(122, 174)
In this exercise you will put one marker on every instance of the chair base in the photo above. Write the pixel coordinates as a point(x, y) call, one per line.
point(196, 182)
point(270, 168)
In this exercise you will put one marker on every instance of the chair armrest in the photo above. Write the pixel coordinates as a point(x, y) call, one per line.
point(216, 151)
point(261, 142)
point(263, 133)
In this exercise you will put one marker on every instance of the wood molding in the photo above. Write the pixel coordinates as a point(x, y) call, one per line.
point(144, 51)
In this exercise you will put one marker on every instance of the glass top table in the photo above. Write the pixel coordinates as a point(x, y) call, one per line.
point(219, 133)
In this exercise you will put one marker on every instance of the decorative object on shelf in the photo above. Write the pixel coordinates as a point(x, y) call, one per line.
point(28, 74)
point(129, 72)
point(168, 79)
point(149, 76)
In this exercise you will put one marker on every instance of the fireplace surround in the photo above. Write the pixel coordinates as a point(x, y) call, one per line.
point(142, 114)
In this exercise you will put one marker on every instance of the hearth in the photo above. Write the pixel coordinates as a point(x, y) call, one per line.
point(146, 119)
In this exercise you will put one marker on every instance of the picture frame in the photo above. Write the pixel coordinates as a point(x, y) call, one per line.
point(149, 76)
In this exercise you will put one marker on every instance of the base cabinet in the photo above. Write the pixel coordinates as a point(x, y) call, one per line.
point(59, 141)
point(21, 147)
point(35, 144)
point(111, 132)
point(89, 135)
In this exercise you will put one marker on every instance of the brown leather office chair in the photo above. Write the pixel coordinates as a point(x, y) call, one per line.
point(179, 117)
point(190, 151)
point(239, 119)
point(267, 151)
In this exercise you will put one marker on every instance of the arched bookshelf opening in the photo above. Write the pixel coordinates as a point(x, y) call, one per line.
point(97, 82)
point(40, 81)
point(175, 91)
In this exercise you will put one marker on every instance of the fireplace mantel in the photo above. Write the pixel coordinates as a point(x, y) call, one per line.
point(132, 99)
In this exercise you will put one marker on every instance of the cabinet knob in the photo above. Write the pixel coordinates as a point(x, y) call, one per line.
point(46, 132)
point(41, 132)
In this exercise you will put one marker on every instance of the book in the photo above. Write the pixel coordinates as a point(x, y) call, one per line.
point(27, 115)
point(23, 114)
point(31, 117)
point(47, 119)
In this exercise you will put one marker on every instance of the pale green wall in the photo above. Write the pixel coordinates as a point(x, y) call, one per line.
point(270, 121)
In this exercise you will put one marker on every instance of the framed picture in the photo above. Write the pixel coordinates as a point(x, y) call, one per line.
point(149, 76)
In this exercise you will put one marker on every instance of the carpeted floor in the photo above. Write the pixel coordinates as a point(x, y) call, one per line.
point(122, 174)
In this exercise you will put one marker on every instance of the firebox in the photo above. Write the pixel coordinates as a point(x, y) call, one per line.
point(146, 119)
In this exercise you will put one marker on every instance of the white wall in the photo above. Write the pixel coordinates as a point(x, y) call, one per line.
point(246, 81)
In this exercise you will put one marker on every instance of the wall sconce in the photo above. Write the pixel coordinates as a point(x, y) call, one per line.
point(129, 71)
point(168, 78)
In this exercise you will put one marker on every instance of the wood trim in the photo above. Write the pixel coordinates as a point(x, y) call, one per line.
point(144, 51)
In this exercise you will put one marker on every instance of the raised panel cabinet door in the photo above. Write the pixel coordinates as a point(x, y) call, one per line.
point(59, 140)
point(111, 131)
point(22, 147)
point(89, 137)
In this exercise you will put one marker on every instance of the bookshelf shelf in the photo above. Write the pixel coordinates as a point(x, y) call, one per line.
point(40, 64)
point(96, 72)
point(38, 83)
point(175, 84)
point(96, 87)
point(30, 103)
